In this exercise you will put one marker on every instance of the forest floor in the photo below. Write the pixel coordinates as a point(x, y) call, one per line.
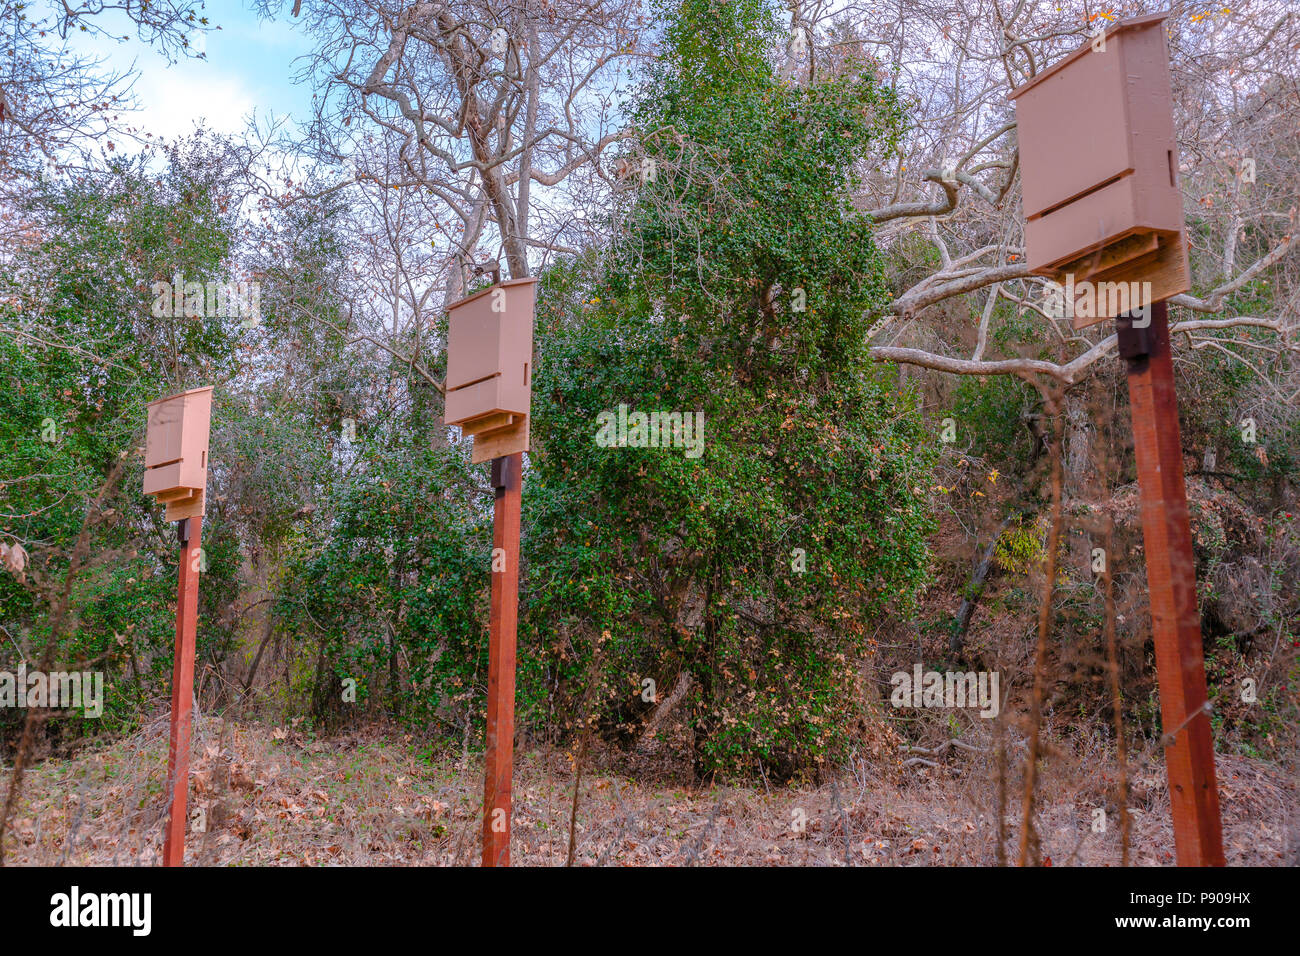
point(267, 795)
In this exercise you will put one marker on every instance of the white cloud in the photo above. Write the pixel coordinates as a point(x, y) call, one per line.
point(173, 100)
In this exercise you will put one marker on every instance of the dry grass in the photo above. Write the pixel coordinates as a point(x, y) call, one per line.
point(276, 796)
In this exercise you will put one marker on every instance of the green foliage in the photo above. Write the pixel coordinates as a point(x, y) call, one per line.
point(750, 198)
point(1022, 546)
point(72, 394)
point(991, 415)
point(646, 563)
point(393, 595)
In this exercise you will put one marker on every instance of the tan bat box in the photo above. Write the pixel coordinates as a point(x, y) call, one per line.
point(1099, 166)
point(489, 367)
point(176, 451)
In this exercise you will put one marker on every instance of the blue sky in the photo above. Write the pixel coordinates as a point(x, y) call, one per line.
point(249, 66)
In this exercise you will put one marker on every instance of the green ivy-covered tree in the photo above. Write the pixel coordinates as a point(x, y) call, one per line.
point(736, 287)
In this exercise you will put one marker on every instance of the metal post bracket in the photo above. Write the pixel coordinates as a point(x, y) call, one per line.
point(1134, 341)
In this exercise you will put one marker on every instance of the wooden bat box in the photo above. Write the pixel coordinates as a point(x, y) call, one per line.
point(1099, 165)
point(176, 451)
point(489, 367)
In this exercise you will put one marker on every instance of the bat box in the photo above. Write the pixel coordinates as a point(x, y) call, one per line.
point(176, 451)
point(489, 358)
point(1099, 164)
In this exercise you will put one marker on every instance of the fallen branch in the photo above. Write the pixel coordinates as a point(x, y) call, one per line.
point(946, 745)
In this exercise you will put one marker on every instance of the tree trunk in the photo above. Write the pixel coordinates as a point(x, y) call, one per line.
point(973, 591)
point(1078, 463)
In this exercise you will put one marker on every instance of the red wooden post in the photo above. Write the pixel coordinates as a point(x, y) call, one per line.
point(1171, 578)
point(489, 395)
point(190, 531)
point(506, 479)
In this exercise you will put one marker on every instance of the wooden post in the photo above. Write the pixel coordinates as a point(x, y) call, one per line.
point(1171, 578)
point(190, 532)
point(506, 480)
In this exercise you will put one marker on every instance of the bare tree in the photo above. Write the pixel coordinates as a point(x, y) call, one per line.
point(483, 106)
point(57, 103)
point(952, 186)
